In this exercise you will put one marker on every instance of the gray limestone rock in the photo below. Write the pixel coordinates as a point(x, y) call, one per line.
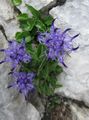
point(38, 4)
point(6, 10)
point(79, 113)
point(75, 78)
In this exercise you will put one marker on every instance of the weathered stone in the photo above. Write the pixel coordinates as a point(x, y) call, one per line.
point(11, 27)
point(6, 11)
point(75, 78)
point(7, 19)
point(38, 4)
point(32, 113)
point(79, 113)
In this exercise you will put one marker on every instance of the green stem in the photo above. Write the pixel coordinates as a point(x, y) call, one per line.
point(41, 66)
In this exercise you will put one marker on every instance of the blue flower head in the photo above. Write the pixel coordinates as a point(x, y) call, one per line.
point(58, 43)
point(23, 82)
point(16, 53)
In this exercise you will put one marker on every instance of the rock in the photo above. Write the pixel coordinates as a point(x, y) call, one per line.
point(32, 113)
point(37, 102)
point(79, 113)
point(19, 110)
point(11, 27)
point(6, 10)
point(38, 4)
point(75, 78)
point(7, 19)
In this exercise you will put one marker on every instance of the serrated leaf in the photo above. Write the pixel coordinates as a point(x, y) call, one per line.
point(52, 81)
point(40, 25)
point(41, 66)
point(16, 2)
point(48, 20)
point(34, 12)
point(58, 69)
point(40, 50)
point(52, 66)
point(44, 89)
point(28, 39)
point(31, 23)
point(23, 17)
point(20, 35)
point(30, 49)
point(58, 86)
point(28, 25)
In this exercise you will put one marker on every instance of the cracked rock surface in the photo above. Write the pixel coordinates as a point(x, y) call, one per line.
point(75, 79)
point(38, 4)
point(79, 113)
point(6, 11)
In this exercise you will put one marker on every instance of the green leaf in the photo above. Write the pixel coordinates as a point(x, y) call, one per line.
point(28, 39)
point(23, 17)
point(42, 64)
point(16, 2)
point(31, 23)
point(25, 26)
point(52, 80)
point(53, 102)
point(30, 49)
point(20, 35)
point(58, 85)
point(40, 51)
point(48, 20)
point(28, 25)
point(58, 69)
point(52, 66)
point(34, 12)
point(44, 73)
point(40, 25)
point(33, 51)
point(44, 88)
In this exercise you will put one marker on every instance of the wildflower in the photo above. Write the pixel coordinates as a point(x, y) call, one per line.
point(23, 82)
point(58, 43)
point(16, 53)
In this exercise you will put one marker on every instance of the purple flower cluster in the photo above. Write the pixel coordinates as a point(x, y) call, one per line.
point(16, 53)
point(23, 82)
point(58, 43)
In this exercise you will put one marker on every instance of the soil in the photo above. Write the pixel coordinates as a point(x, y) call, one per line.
point(56, 107)
point(60, 112)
